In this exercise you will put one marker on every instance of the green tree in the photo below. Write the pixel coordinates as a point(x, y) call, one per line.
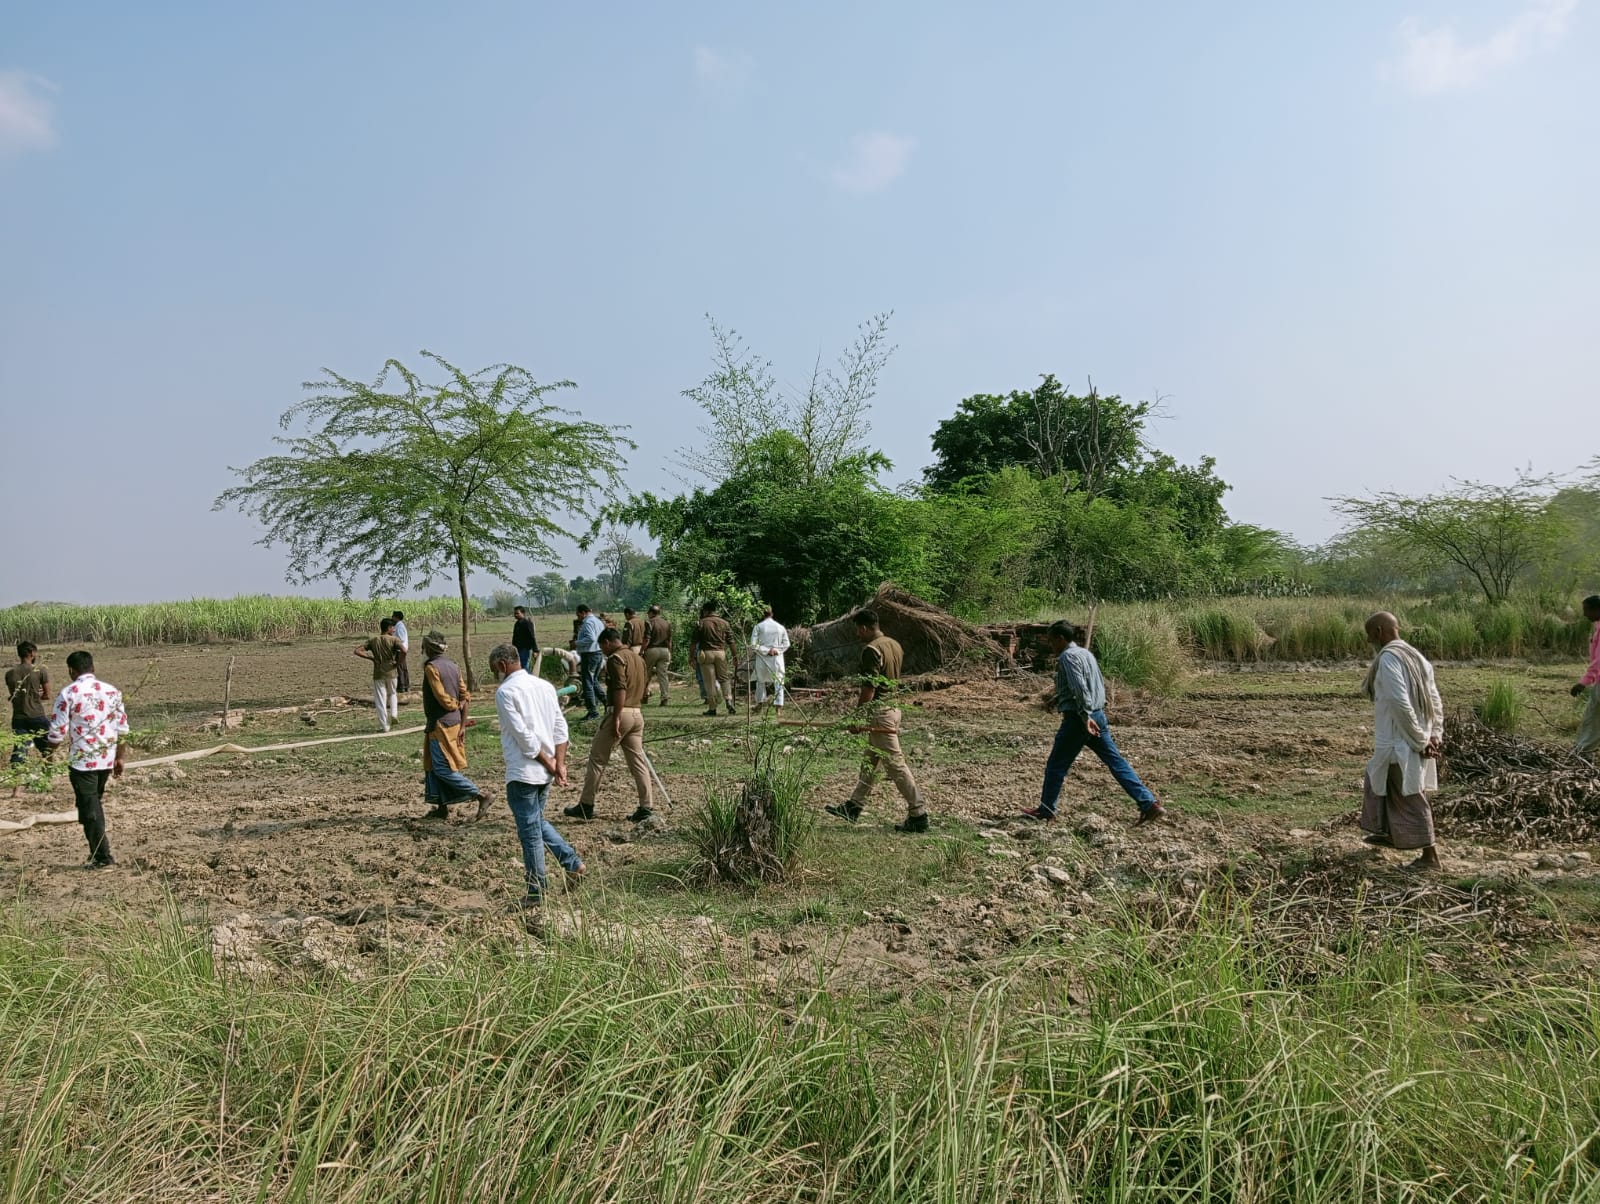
point(743, 402)
point(1085, 442)
point(1492, 533)
point(547, 591)
point(403, 479)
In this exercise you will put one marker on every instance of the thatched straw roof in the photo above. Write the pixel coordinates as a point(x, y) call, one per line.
point(932, 639)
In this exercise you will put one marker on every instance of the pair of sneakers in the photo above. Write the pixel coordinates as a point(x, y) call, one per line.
point(1152, 814)
point(850, 812)
point(711, 711)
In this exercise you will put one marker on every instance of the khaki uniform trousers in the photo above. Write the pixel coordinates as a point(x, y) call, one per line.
point(656, 661)
point(717, 676)
point(605, 742)
point(883, 750)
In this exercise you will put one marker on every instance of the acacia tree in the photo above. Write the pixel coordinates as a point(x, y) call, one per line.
point(1492, 533)
point(403, 480)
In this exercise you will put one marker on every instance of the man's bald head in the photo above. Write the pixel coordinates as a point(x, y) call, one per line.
point(1383, 628)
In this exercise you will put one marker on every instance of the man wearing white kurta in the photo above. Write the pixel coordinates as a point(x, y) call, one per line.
point(768, 642)
point(1408, 726)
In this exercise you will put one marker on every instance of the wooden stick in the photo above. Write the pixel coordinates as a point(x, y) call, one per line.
point(881, 731)
point(227, 694)
point(1088, 635)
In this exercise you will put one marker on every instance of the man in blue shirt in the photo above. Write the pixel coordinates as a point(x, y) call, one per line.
point(586, 643)
point(1080, 696)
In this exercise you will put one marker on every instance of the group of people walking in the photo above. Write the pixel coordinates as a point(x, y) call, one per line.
point(89, 716)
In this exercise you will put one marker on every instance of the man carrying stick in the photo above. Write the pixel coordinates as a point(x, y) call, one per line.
point(1408, 726)
point(881, 661)
point(623, 725)
point(1080, 697)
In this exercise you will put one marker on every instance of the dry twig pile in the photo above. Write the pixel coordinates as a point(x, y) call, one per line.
point(1514, 791)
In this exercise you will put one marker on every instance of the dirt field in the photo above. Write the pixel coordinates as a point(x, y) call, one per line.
point(320, 857)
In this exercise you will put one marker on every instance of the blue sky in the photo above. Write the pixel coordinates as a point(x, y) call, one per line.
point(1353, 245)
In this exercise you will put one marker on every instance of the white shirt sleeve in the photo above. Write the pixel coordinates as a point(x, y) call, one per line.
point(521, 730)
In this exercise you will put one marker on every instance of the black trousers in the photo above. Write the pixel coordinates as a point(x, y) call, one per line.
point(88, 790)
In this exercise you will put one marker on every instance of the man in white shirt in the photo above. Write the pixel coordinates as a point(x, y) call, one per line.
point(1408, 728)
point(89, 715)
point(533, 737)
point(768, 642)
point(402, 672)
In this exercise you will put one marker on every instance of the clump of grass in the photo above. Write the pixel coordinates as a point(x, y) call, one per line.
point(1142, 648)
point(1221, 633)
point(1503, 706)
point(756, 830)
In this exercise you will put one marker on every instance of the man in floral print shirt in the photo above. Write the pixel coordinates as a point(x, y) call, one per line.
point(89, 713)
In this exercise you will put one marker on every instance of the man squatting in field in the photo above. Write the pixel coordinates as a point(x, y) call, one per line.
point(1080, 697)
point(657, 650)
point(89, 715)
point(1588, 730)
point(713, 642)
point(383, 650)
point(623, 725)
point(880, 665)
point(444, 740)
point(1408, 725)
point(28, 685)
point(533, 738)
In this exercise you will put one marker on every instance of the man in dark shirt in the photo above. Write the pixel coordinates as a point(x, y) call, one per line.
point(657, 651)
point(523, 638)
point(880, 665)
point(623, 725)
point(28, 685)
point(383, 650)
point(713, 641)
point(633, 630)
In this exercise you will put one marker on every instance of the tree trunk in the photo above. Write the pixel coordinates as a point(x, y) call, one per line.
point(466, 607)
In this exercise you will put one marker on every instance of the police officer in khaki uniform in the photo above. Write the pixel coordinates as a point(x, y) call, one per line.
point(881, 661)
point(633, 632)
point(657, 650)
point(623, 725)
point(713, 641)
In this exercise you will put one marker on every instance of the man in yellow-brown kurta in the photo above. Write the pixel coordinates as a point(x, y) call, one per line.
point(444, 745)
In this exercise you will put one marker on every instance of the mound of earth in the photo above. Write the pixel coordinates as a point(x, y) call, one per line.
point(933, 639)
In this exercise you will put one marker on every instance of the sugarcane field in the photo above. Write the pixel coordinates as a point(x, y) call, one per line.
point(830, 604)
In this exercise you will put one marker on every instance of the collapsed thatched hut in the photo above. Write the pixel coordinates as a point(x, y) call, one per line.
point(933, 639)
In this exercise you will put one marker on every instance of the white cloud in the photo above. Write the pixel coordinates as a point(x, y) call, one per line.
point(1434, 61)
point(27, 118)
point(875, 161)
point(717, 71)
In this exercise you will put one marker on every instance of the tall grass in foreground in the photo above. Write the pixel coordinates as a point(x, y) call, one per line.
point(215, 620)
point(1201, 1070)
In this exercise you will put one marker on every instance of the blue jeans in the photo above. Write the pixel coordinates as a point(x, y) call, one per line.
point(29, 727)
point(440, 783)
point(1070, 741)
point(589, 665)
point(524, 655)
point(535, 831)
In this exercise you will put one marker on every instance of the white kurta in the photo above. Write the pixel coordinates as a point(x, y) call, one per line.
point(769, 637)
point(1398, 733)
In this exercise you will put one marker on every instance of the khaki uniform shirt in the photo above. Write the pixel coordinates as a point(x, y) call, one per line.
point(713, 634)
point(626, 678)
point(659, 633)
point(633, 636)
point(881, 659)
